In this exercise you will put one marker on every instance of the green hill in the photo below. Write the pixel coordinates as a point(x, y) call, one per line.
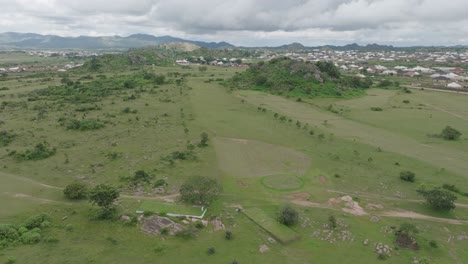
point(285, 76)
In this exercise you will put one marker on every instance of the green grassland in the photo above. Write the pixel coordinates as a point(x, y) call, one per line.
point(261, 161)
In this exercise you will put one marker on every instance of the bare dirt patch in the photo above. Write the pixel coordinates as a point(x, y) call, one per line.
point(322, 180)
point(299, 196)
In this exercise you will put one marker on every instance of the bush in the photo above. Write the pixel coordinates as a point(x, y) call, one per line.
point(378, 109)
point(6, 138)
point(36, 221)
point(159, 183)
point(450, 133)
point(8, 233)
point(433, 244)
point(288, 216)
point(76, 191)
point(30, 237)
point(82, 125)
point(228, 235)
point(41, 151)
point(332, 220)
point(407, 176)
point(211, 250)
point(200, 190)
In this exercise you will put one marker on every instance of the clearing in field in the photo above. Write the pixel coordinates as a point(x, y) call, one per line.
point(250, 158)
point(282, 182)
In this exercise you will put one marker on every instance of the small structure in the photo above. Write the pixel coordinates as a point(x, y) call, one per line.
point(454, 85)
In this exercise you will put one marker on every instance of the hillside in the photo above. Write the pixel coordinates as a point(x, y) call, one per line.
point(295, 78)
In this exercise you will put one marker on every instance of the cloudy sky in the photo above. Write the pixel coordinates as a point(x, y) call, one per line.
point(248, 22)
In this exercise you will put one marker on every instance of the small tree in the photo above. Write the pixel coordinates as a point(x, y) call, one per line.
point(204, 139)
point(228, 235)
point(450, 133)
point(202, 68)
point(104, 196)
point(407, 176)
point(332, 220)
point(76, 191)
point(439, 199)
point(288, 215)
point(200, 190)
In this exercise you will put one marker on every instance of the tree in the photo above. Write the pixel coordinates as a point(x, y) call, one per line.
point(76, 191)
point(200, 190)
point(288, 215)
point(104, 196)
point(204, 139)
point(439, 199)
point(450, 133)
point(202, 68)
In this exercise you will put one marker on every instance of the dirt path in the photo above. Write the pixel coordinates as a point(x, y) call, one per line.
point(29, 180)
point(433, 89)
point(37, 199)
point(448, 112)
point(413, 215)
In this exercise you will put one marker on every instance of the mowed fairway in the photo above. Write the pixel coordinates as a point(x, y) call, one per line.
point(251, 158)
point(442, 156)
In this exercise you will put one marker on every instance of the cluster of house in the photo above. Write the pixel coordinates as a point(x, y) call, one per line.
point(40, 69)
point(66, 54)
point(224, 62)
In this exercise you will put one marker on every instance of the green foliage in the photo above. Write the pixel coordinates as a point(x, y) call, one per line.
point(8, 233)
point(204, 139)
point(407, 176)
point(202, 68)
point(31, 237)
point(332, 221)
point(211, 251)
point(228, 235)
point(81, 125)
point(285, 76)
point(140, 177)
point(439, 199)
point(6, 138)
point(376, 108)
point(433, 244)
point(200, 190)
point(160, 183)
point(288, 215)
point(450, 133)
point(39, 152)
point(104, 196)
point(76, 191)
point(36, 221)
point(407, 229)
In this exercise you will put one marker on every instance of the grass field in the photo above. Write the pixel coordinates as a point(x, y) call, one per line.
point(261, 161)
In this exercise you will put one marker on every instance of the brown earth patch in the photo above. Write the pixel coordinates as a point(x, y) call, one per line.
point(299, 196)
point(322, 180)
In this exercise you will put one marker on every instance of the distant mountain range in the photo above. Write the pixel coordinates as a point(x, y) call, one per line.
point(37, 41)
point(13, 40)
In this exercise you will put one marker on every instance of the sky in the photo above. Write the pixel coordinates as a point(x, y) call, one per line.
point(248, 22)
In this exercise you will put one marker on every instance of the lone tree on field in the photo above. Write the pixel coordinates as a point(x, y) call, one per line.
point(200, 190)
point(288, 215)
point(104, 196)
point(439, 199)
point(450, 133)
point(203, 139)
point(76, 191)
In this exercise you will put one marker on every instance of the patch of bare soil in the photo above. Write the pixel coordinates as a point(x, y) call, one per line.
point(155, 225)
point(403, 240)
point(299, 196)
point(350, 206)
point(42, 200)
point(242, 184)
point(322, 180)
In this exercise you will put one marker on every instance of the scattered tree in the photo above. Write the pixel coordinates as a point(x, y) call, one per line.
point(200, 190)
point(228, 235)
point(288, 215)
point(104, 196)
point(76, 191)
point(439, 199)
point(332, 220)
point(450, 133)
point(204, 139)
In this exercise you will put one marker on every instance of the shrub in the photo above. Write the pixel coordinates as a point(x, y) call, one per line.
point(332, 221)
point(450, 133)
point(76, 191)
point(211, 250)
point(451, 187)
point(40, 151)
point(228, 235)
point(407, 176)
point(8, 233)
point(36, 221)
point(159, 183)
point(378, 109)
point(6, 138)
point(288, 215)
point(30, 237)
point(200, 190)
point(433, 244)
point(82, 125)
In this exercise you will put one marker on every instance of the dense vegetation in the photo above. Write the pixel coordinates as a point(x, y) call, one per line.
point(285, 76)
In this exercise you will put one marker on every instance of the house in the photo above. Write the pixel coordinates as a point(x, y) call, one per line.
point(411, 74)
point(440, 78)
point(454, 85)
point(380, 68)
point(359, 75)
point(389, 72)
